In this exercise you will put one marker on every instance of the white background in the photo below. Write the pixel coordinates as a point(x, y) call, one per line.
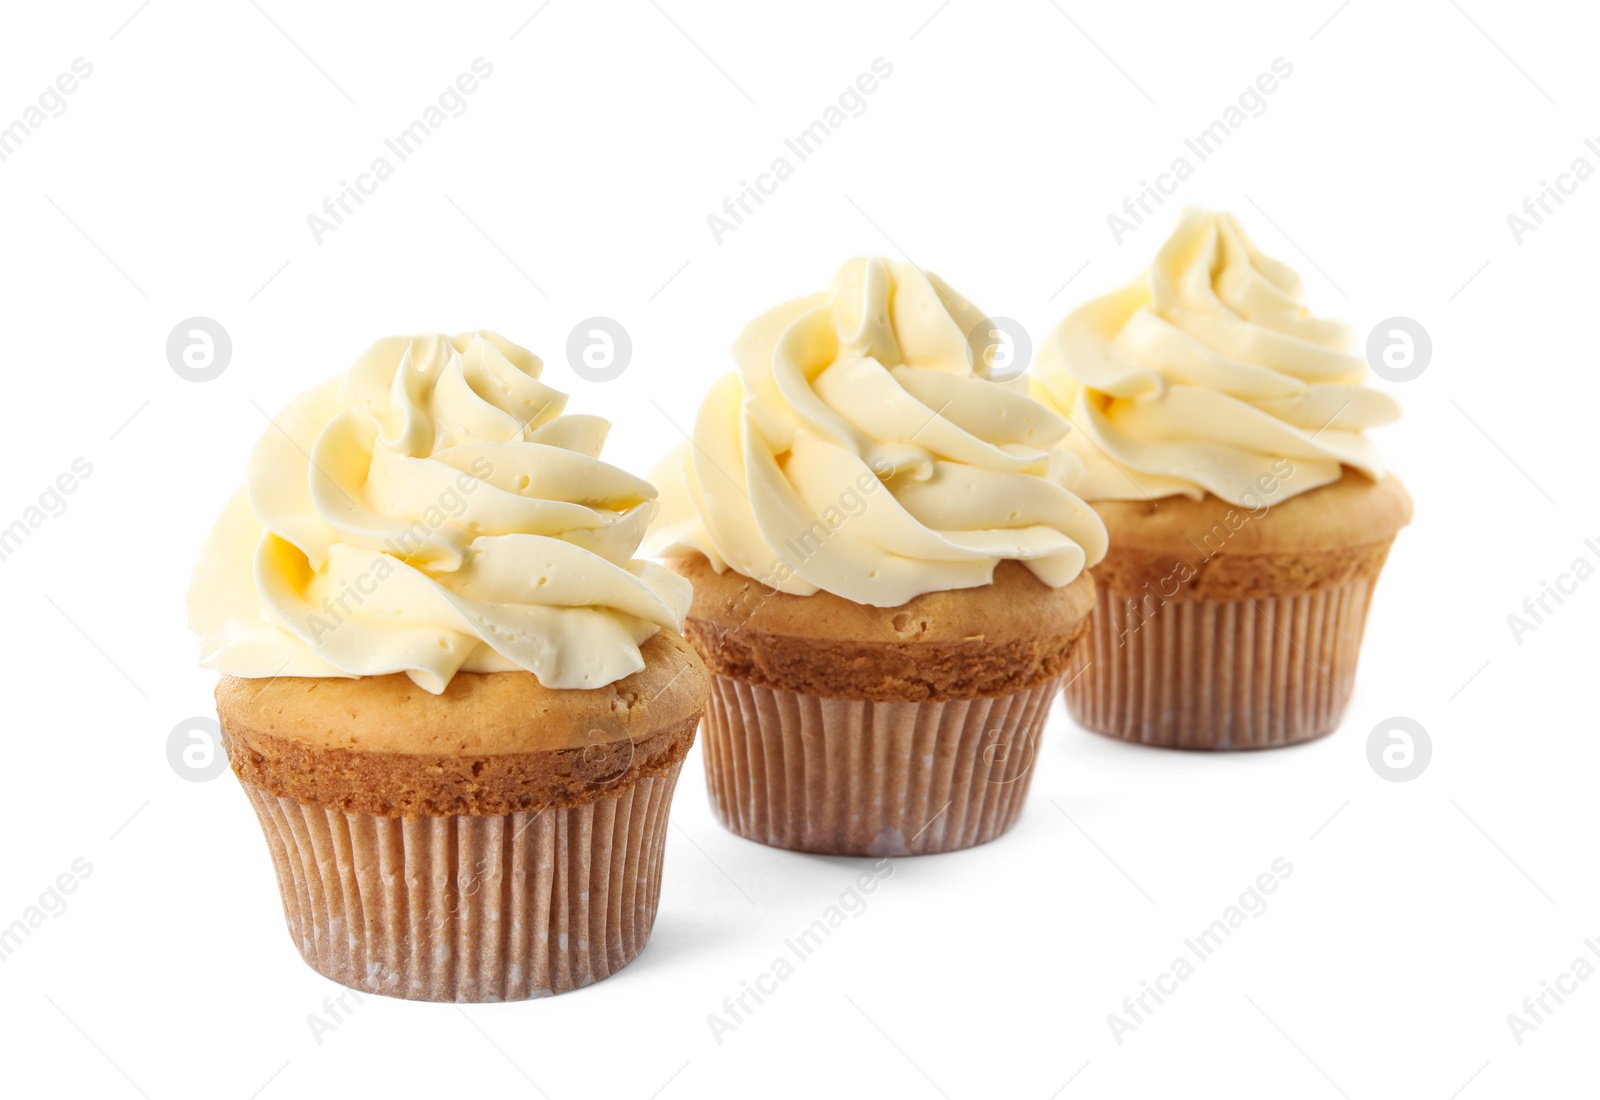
point(177, 183)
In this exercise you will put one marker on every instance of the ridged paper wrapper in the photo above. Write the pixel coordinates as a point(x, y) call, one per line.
point(866, 778)
point(1220, 674)
point(471, 908)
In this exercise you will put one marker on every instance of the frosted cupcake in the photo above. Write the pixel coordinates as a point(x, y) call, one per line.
point(456, 702)
point(1222, 432)
point(889, 571)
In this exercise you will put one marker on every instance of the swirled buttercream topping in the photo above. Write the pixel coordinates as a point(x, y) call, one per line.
point(429, 512)
point(1208, 375)
point(862, 449)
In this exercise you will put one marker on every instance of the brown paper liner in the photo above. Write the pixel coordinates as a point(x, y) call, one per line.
point(471, 908)
point(856, 777)
point(1220, 674)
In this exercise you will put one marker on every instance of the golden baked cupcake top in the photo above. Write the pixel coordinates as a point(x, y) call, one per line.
point(433, 511)
point(862, 449)
point(1207, 374)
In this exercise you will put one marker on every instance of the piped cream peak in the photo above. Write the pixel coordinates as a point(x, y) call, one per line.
point(860, 448)
point(433, 511)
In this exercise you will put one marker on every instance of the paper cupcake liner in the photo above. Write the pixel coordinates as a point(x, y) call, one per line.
point(470, 908)
point(856, 777)
point(1220, 674)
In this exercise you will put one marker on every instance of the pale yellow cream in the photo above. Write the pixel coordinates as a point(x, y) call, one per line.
point(1208, 375)
point(428, 512)
point(860, 449)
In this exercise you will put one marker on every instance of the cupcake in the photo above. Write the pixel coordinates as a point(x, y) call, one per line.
point(456, 702)
point(1221, 428)
point(889, 571)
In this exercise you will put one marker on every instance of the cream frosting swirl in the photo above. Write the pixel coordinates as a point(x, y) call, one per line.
point(433, 511)
point(861, 449)
point(1208, 375)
